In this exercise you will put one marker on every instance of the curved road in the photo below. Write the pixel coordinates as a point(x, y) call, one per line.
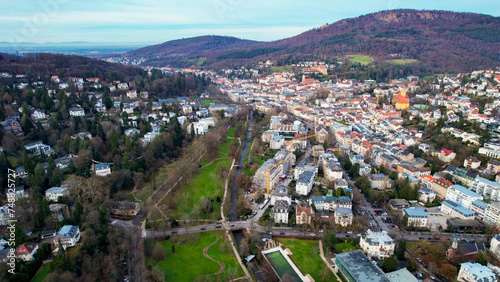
point(234, 191)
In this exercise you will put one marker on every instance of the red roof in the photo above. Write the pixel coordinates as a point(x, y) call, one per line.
point(446, 152)
point(26, 248)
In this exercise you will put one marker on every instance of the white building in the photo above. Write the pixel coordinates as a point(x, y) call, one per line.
point(53, 194)
point(377, 244)
point(280, 210)
point(276, 142)
point(305, 183)
point(76, 112)
point(489, 189)
point(416, 217)
point(462, 196)
point(343, 216)
point(200, 128)
point(333, 171)
point(102, 169)
point(475, 272)
point(132, 94)
point(26, 251)
point(67, 236)
point(495, 245)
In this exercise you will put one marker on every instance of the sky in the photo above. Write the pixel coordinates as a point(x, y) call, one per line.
point(149, 22)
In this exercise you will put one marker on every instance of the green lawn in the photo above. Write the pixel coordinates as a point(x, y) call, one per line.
point(306, 257)
point(362, 59)
point(202, 185)
point(402, 61)
point(188, 261)
point(344, 247)
point(42, 273)
point(280, 69)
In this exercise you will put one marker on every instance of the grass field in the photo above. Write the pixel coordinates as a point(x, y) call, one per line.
point(202, 185)
point(402, 61)
point(280, 69)
point(42, 273)
point(306, 257)
point(344, 247)
point(362, 59)
point(190, 254)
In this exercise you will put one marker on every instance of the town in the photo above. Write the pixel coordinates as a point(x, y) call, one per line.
point(291, 175)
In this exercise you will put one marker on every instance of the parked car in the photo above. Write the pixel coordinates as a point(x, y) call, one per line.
point(282, 233)
point(203, 228)
point(218, 226)
point(174, 232)
point(312, 234)
point(321, 231)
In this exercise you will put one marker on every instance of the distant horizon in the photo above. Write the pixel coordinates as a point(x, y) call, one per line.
point(141, 24)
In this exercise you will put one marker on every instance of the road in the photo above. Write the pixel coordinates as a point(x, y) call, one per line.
point(234, 191)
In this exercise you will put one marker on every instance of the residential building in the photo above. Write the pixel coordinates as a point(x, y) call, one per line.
point(401, 275)
point(333, 172)
point(199, 128)
point(53, 194)
point(321, 134)
point(123, 209)
point(49, 233)
point(377, 244)
point(476, 272)
point(440, 186)
point(462, 196)
point(356, 267)
point(426, 195)
point(492, 214)
point(343, 216)
point(479, 208)
point(446, 155)
point(67, 236)
point(305, 183)
point(455, 210)
point(330, 203)
point(102, 169)
point(416, 217)
point(276, 142)
point(27, 251)
point(303, 215)
point(318, 150)
point(489, 189)
point(76, 112)
point(379, 181)
point(5, 215)
point(280, 211)
point(495, 245)
point(472, 162)
point(493, 167)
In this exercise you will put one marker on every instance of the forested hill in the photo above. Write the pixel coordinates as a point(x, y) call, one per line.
point(62, 65)
point(435, 40)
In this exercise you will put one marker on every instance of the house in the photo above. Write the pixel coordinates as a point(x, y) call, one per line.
point(19, 192)
point(472, 162)
point(466, 251)
point(76, 112)
point(26, 251)
point(401, 101)
point(455, 210)
point(333, 172)
point(318, 150)
point(186, 108)
point(379, 181)
point(11, 125)
point(280, 211)
point(495, 245)
point(377, 244)
point(303, 215)
point(122, 86)
point(53, 194)
point(49, 233)
point(38, 114)
point(493, 167)
point(487, 188)
point(132, 94)
point(305, 183)
point(276, 142)
point(476, 272)
point(446, 155)
point(102, 169)
point(426, 195)
point(416, 217)
point(67, 236)
point(343, 216)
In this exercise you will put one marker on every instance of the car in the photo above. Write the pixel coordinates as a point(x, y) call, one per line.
point(218, 226)
point(421, 238)
point(425, 210)
point(349, 232)
point(347, 235)
point(232, 225)
point(321, 231)
point(432, 277)
point(271, 233)
point(448, 239)
point(437, 238)
point(312, 234)
point(251, 200)
point(282, 233)
point(429, 238)
point(203, 228)
point(174, 232)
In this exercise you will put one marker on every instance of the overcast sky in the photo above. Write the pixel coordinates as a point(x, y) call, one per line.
point(130, 21)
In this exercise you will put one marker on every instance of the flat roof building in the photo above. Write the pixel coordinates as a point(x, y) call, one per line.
point(356, 267)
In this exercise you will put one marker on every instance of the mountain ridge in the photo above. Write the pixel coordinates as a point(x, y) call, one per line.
point(440, 40)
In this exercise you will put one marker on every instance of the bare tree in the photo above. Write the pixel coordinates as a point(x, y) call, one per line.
point(206, 205)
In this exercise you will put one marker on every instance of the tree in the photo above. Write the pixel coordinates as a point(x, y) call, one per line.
point(348, 164)
point(206, 205)
point(107, 102)
point(159, 253)
point(389, 264)
point(243, 181)
point(339, 192)
point(401, 250)
point(329, 240)
point(393, 175)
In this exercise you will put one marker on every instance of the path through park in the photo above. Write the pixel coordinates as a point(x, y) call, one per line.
point(205, 253)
